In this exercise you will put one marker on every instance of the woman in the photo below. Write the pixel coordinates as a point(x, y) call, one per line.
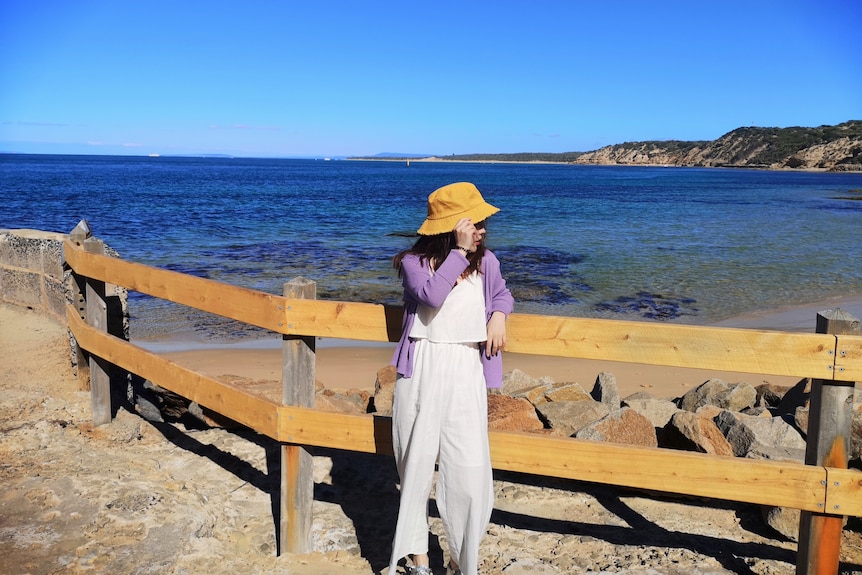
point(455, 308)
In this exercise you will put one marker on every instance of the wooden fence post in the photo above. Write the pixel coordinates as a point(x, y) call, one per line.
point(78, 290)
point(829, 419)
point(297, 465)
point(94, 309)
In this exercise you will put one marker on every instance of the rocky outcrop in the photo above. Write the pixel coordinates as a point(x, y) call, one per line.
point(831, 148)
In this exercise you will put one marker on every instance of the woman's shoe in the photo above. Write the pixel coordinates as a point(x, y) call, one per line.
point(419, 570)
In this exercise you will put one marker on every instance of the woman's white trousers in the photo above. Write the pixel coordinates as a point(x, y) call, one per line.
point(440, 415)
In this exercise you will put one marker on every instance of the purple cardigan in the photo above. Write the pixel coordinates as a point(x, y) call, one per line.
point(432, 290)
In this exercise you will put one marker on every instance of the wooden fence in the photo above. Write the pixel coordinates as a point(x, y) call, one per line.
point(822, 488)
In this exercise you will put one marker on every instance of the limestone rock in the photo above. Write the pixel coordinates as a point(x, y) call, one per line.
point(624, 425)
point(734, 397)
point(605, 390)
point(512, 414)
point(691, 432)
point(384, 388)
point(569, 417)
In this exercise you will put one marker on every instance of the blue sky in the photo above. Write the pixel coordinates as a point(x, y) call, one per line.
point(287, 79)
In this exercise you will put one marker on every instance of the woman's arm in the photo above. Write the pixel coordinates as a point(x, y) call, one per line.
point(432, 289)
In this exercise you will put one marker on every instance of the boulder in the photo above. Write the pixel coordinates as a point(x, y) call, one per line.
point(734, 397)
point(692, 432)
point(760, 438)
point(566, 392)
point(624, 425)
point(512, 414)
point(783, 520)
point(757, 411)
point(658, 411)
point(769, 395)
point(517, 383)
point(384, 389)
point(605, 390)
point(568, 417)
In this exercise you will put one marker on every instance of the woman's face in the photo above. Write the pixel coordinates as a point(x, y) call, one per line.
point(479, 234)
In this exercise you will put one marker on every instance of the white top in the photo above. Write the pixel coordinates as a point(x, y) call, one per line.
point(461, 318)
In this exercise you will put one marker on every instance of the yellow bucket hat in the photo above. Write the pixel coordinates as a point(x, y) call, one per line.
point(450, 203)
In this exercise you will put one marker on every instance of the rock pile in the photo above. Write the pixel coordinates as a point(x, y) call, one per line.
point(716, 417)
point(738, 419)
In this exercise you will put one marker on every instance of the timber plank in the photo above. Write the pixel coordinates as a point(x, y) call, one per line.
point(363, 433)
point(843, 492)
point(751, 481)
point(745, 480)
point(848, 358)
point(252, 411)
point(722, 349)
point(242, 304)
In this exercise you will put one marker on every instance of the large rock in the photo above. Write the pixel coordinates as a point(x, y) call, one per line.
point(624, 425)
point(658, 411)
point(783, 520)
point(384, 389)
point(512, 414)
point(605, 390)
point(569, 417)
point(692, 432)
point(769, 395)
point(566, 392)
point(734, 397)
point(760, 438)
point(517, 383)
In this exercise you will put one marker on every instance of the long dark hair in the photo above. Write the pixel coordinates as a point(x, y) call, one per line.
point(435, 249)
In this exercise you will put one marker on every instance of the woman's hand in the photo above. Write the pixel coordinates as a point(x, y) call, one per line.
point(496, 334)
point(465, 234)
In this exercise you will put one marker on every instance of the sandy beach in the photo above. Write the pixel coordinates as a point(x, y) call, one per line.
point(139, 497)
point(344, 366)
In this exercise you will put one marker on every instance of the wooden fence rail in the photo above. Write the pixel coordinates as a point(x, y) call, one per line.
point(812, 488)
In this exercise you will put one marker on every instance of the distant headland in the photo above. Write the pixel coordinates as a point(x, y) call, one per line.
point(824, 148)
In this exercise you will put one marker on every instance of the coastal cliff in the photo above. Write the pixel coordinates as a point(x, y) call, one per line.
point(830, 148)
point(825, 148)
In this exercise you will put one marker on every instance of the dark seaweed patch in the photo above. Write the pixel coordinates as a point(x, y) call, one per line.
point(541, 275)
point(650, 306)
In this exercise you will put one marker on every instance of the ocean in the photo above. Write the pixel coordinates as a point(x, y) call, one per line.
point(680, 245)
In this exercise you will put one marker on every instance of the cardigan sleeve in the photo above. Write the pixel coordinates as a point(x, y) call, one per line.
point(430, 289)
point(497, 298)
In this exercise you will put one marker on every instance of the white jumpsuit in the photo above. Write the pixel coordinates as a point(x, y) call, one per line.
point(440, 414)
